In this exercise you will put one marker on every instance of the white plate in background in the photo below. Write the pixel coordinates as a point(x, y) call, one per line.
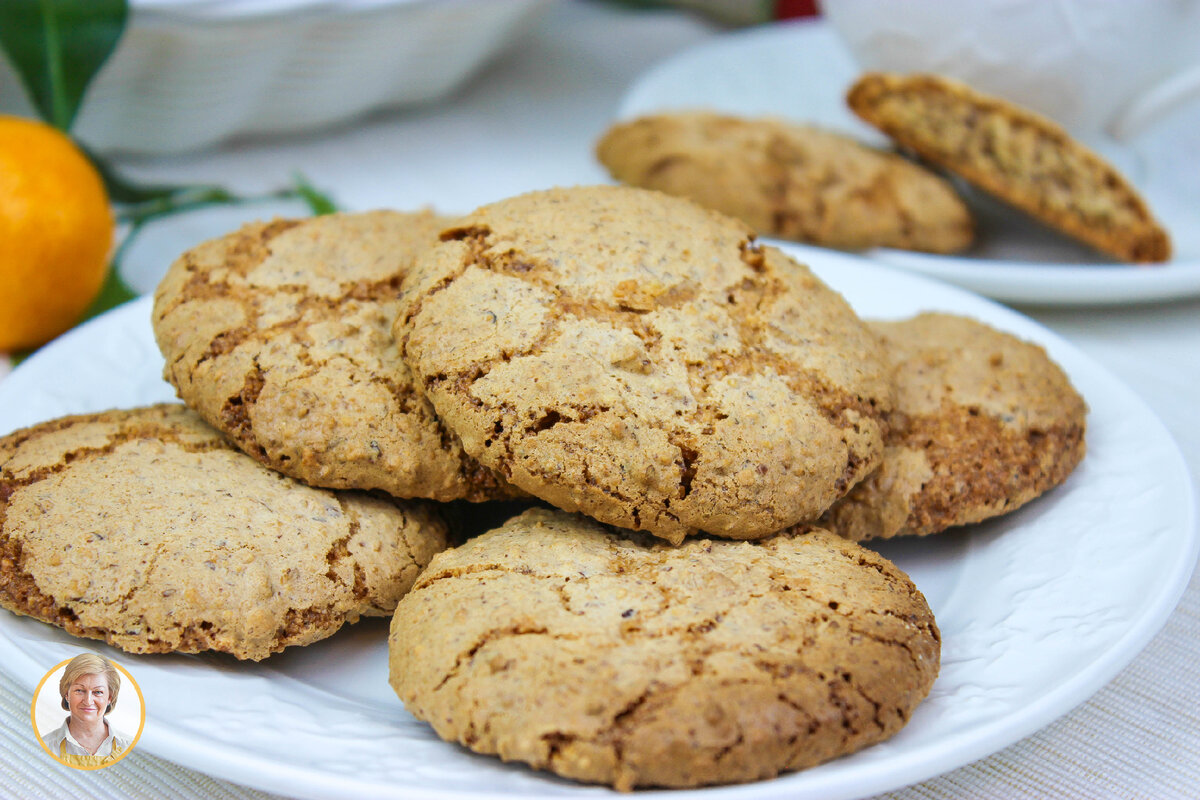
point(800, 71)
point(1038, 609)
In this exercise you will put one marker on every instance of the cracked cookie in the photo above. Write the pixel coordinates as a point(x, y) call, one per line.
point(1018, 156)
point(147, 529)
point(984, 423)
point(610, 657)
point(636, 357)
point(790, 181)
point(280, 336)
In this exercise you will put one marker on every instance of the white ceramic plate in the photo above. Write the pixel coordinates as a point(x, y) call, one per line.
point(1038, 609)
point(800, 71)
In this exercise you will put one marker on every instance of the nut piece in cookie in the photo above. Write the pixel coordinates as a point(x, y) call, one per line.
point(984, 423)
point(1017, 155)
point(280, 336)
point(147, 529)
point(615, 659)
point(790, 181)
point(641, 359)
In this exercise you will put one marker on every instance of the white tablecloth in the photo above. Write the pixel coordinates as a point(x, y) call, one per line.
point(530, 122)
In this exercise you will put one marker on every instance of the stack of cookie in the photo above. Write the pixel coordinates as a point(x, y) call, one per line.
point(697, 425)
point(168, 529)
point(798, 182)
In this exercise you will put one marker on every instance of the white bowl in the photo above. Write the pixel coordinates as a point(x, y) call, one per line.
point(191, 73)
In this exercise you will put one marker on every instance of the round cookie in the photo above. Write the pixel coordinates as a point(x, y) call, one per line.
point(147, 529)
point(984, 423)
point(791, 181)
point(636, 357)
point(1020, 157)
point(616, 659)
point(279, 335)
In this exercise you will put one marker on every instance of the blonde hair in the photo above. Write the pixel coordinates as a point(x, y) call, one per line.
point(90, 664)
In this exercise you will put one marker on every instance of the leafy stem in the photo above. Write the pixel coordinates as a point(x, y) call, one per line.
point(187, 198)
point(164, 201)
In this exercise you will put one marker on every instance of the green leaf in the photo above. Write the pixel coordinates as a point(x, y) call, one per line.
point(113, 293)
point(58, 46)
point(318, 202)
point(121, 189)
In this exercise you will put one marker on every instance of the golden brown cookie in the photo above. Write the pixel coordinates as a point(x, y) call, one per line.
point(1017, 155)
point(790, 181)
point(147, 529)
point(280, 336)
point(617, 659)
point(636, 357)
point(984, 423)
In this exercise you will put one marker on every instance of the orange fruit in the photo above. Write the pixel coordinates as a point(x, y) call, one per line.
point(56, 232)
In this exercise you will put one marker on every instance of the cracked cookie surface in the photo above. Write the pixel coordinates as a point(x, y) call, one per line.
point(280, 336)
point(609, 657)
point(636, 357)
point(790, 181)
point(1017, 155)
point(147, 529)
point(984, 423)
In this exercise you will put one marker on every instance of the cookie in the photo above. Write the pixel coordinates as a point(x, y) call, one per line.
point(984, 423)
point(279, 335)
point(1016, 155)
point(790, 181)
point(614, 659)
point(638, 358)
point(147, 529)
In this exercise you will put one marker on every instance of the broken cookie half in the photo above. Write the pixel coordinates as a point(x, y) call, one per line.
point(1016, 155)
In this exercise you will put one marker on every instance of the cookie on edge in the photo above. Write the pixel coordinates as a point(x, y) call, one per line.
point(622, 660)
point(984, 423)
point(790, 181)
point(1017, 155)
point(280, 336)
point(641, 359)
point(146, 528)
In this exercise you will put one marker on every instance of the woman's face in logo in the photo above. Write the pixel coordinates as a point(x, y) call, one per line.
point(88, 697)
